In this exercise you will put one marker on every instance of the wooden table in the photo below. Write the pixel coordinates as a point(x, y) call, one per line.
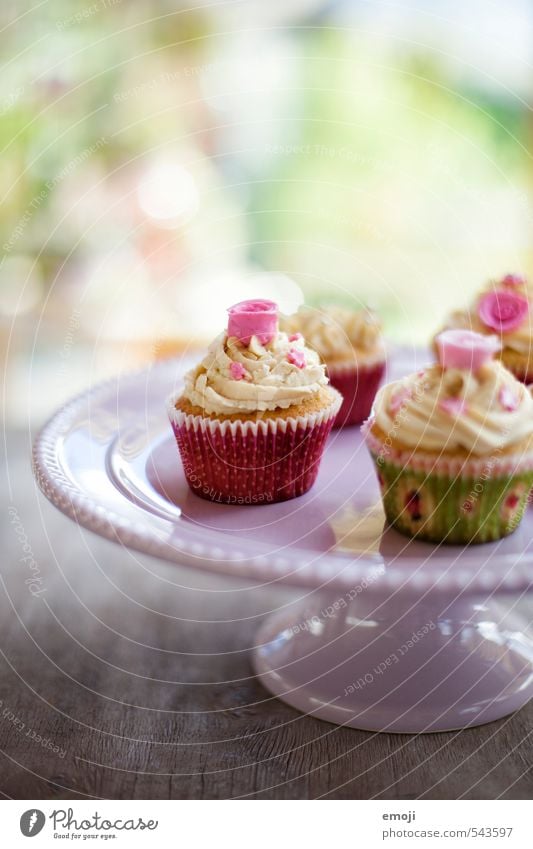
point(136, 677)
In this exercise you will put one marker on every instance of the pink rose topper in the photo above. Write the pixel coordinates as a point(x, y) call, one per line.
point(253, 318)
point(295, 336)
point(465, 349)
point(503, 311)
point(513, 281)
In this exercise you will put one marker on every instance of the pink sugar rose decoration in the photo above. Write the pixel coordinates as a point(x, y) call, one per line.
point(513, 281)
point(257, 318)
point(294, 337)
point(296, 357)
point(503, 311)
point(237, 371)
point(508, 399)
point(453, 406)
point(464, 349)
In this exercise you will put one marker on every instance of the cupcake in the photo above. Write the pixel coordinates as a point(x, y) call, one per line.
point(252, 421)
point(504, 308)
point(453, 445)
point(351, 345)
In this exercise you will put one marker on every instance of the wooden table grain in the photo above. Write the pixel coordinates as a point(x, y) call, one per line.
point(125, 678)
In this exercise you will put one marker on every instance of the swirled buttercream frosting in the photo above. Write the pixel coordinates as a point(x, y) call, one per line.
point(338, 334)
point(456, 408)
point(243, 378)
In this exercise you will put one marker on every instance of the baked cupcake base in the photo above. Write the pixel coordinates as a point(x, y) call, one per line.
point(452, 500)
point(358, 386)
point(253, 460)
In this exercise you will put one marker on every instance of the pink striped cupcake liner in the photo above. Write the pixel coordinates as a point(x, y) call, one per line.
point(251, 462)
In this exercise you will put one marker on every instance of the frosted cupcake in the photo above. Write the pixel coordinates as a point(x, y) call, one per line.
point(252, 421)
point(453, 445)
point(504, 308)
point(351, 344)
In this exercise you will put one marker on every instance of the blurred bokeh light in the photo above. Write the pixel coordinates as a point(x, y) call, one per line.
point(161, 161)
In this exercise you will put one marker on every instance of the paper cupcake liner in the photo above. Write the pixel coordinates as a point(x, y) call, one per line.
point(251, 462)
point(358, 386)
point(483, 503)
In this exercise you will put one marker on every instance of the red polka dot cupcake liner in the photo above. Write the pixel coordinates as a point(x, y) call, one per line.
point(252, 462)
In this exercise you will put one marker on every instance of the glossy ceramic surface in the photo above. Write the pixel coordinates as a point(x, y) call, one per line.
point(109, 461)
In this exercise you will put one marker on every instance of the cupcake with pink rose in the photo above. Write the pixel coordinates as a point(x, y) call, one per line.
point(504, 308)
point(351, 344)
point(453, 445)
point(253, 418)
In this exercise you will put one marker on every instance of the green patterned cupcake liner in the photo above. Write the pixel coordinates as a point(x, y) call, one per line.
point(477, 504)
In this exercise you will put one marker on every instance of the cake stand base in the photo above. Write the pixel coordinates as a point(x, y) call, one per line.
point(398, 665)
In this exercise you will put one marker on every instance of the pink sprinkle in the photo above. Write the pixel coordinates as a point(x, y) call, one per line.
point(453, 406)
point(296, 357)
point(294, 337)
point(399, 399)
point(508, 399)
point(237, 371)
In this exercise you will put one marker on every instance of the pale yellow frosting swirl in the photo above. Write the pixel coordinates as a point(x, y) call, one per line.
point(339, 334)
point(270, 380)
point(450, 409)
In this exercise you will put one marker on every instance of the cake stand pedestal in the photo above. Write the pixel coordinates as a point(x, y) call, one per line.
point(399, 665)
point(387, 634)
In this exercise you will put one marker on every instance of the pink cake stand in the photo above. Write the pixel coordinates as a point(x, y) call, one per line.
point(386, 634)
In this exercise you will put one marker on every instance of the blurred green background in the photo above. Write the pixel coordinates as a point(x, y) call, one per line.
point(160, 161)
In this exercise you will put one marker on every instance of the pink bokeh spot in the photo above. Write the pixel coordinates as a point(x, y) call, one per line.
point(503, 311)
point(464, 349)
point(508, 399)
point(257, 318)
point(294, 337)
point(237, 371)
point(296, 357)
point(453, 406)
point(513, 281)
